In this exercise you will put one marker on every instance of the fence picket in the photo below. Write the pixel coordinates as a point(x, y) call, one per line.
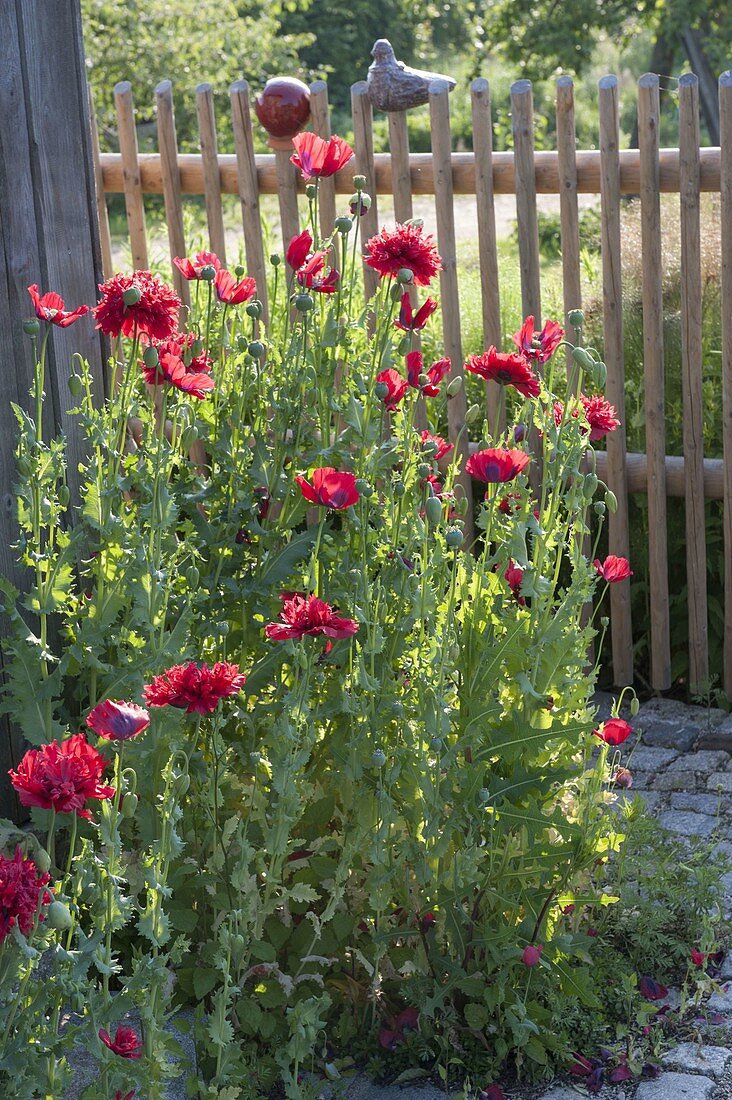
point(363, 140)
point(248, 187)
point(691, 378)
point(134, 202)
point(618, 532)
point(320, 114)
point(211, 174)
point(487, 242)
point(168, 146)
point(287, 180)
point(568, 207)
point(105, 239)
point(725, 116)
point(445, 214)
point(522, 128)
point(653, 370)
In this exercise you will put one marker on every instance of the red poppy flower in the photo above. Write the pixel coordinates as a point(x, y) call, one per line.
point(507, 368)
point(623, 777)
point(179, 345)
point(698, 957)
point(614, 731)
point(128, 1096)
point(619, 1074)
point(493, 1092)
point(194, 688)
point(51, 308)
point(172, 369)
point(20, 885)
point(415, 367)
point(311, 275)
point(427, 922)
point(126, 1042)
point(231, 292)
point(329, 488)
point(413, 322)
point(118, 721)
point(443, 447)
point(652, 990)
point(191, 269)
point(154, 312)
point(513, 576)
point(531, 954)
point(497, 464)
point(510, 504)
point(600, 416)
point(303, 615)
point(613, 569)
point(404, 247)
point(298, 249)
point(393, 388)
point(538, 345)
point(61, 777)
point(317, 157)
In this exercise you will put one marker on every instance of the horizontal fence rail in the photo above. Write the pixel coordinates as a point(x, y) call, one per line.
point(608, 172)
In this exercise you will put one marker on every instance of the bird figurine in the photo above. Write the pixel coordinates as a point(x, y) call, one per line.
point(394, 86)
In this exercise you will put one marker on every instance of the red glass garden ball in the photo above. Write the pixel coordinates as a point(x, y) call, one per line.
point(283, 107)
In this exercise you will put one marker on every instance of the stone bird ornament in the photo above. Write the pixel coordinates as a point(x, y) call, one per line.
point(394, 86)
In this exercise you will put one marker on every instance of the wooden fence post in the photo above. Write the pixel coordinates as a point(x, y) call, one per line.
point(568, 208)
point(725, 125)
point(134, 201)
point(211, 173)
point(168, 146)
point(363, 140)
point(522, 126)
point(248, 187)
point(50, 237)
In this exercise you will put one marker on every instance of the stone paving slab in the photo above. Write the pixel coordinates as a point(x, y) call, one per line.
point(692, 1058)
point(686, 823)
point(676, 1086)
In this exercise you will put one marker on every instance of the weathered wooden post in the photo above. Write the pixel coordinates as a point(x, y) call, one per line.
point(49, 232)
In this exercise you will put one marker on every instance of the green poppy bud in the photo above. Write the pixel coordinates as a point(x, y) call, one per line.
point(634, 706)
point(181, 784)
point(64, 495)
point(343, 224)
point(378, 758)
point(395, 292)
point(76, 385)
point(397, 709)
point(150, 358)
point(589, 486)
point(58, 916)
point(455, 385)
point(193, 576)
point(254, 309)
point(600, 375)
point(32, 327)
point(433, 510)
point(454, 538)
point(42, 860)
point(257, 349)
point(364, 488)
point(132, 296)
point(583, 359)
point(474, 413)
point(197, 348)
point(404, 346)
point(129, 805)
point(188, 437)
point(612, 501)
point(405, 275)
point(454, 653)
point(304, 303)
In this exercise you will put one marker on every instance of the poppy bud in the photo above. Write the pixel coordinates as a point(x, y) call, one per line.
point(42, 860)
point(254, 309)
point(181, 785)
point(404, 346)
point(519, 433)
point(188, 437)
point(275, 260)
point(150, 358)
point(132, 296)
point(612, 501)
point(343, 224)
point(397, 709)
point(589, 486)
point(583, 359)
point(395, 293)
point(257, 349)
point(381, 390)
point(359, 182)
point(531, 954)
point(634, 706)
point(378, 758)
point(129, 805)
point(454, 538)
point(58, 916)
point(433, 510)
point(600, 375)
point(64, 495)
point(364, 488)
point(454, 653)
point(193, 576)
point(455, 386)
point(311, 191)
point(473, 414)
point(359, 204)
point(187, 356)
point(576, 318)
point(76, 385)
point(304, 303)
point(32, 327)
point(405, 275)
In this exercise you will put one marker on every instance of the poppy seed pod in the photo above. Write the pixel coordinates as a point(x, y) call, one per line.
point(311, 191)
point(424, 469)
point(257, 349)
point(304, 303)
point(405, 275)
point(275, 260)
point(381, 390)
point(378, 758)
point(576, 318)
point(132, 295)
point(343, 224)
point(454, 538)
point(254, 310)
point(32, 327)
point(359, 182)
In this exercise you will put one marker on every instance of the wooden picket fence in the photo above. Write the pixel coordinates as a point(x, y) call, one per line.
point(608, 171)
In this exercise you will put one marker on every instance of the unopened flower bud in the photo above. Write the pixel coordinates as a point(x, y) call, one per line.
point(193, 576)
point(181, 784)
point(42, 860)
point(589, 486)
point(58, 916)
point(378, 758)
point(519, 433)
point(433, 510)
point(304, 303)
point(76, 385)
point(188, 437)
point(197, 348)
point(64, 495)
point(32, 327)
point(395, 292)
point(132, 296)
point(343, 224)
point(257, 349)
point(455, 386)
point(600, 375)
point(359, 182)
point(583, 359)
point(254, 309)
point(359, 204)
point(612, 501)
point(473, 414)
point(405, 275)
point(404, 346)
point(576, 318)
point(151, 358)
point(454, 538)
point(129, 805)
point(634, 706)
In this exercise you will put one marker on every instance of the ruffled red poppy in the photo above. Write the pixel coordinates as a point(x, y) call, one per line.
point(52, 308)
point(442, 446)
point(497, 464)
point(298, 249)
point(61, 777)
point(172, 369)
point(311, 276)
point(600, 416)
point(538, 345)
point(308, 615)
point(404, 247)
point(329, 488)
point(154, 313)
point(415, 368)
point(231, 292)
point(21, 884)
point(531, 954)
point(698, 957)
point(651, 989)
point(194, 688)
point(191, 269)
point(317, 157)
point(613, 569)
point(391, 388)
point(118, 721)
point(506, 368)
point(409, 321)
point(181, 344)
point(614, 732)
point(513, 576)
point(126, 1042)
